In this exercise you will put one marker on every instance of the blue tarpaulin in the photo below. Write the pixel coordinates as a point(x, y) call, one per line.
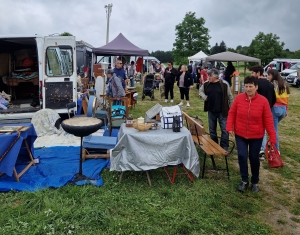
point(56, 168)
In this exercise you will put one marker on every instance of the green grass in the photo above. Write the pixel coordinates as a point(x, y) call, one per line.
point(209, 206)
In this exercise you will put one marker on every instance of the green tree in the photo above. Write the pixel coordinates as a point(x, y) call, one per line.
point(66, 34)
point(191, 37)
point(244, 50)
point(222, 47)
point(266, 47)
point(231, 49)
point(162, 56)
point(238, 48)
point(214, 49)
point(218, 48)
point(291, 54)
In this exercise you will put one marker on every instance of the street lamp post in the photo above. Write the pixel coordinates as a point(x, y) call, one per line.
point(108, 13)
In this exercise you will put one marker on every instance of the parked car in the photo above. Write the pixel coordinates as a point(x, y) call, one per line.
point(285, 73)
point(292, 79)
point(212, 64)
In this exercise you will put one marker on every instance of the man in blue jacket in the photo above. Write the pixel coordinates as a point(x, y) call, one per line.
point(119, 71)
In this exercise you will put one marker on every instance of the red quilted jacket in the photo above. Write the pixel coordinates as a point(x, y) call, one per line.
point(249, 118)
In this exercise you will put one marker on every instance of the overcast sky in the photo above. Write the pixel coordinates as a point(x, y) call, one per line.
point(151, 24)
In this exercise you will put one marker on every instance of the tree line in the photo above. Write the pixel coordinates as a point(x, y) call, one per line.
point(192, 36)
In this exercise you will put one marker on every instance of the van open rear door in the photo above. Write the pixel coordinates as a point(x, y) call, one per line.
point(59, 84)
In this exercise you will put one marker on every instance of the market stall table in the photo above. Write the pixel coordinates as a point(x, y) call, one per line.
point(12, 146)
point(152, 149)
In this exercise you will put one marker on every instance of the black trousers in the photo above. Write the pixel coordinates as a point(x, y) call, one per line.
point(184, 92)
point(169, 87)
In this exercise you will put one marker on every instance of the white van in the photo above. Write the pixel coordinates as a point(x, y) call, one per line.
point(38, 72)
point(279, 64)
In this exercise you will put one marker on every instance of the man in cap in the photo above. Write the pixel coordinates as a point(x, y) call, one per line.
point(217, 98)
point(115, 86)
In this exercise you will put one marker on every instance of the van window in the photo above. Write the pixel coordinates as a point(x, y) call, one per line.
point(59, 61)
point(295, 66)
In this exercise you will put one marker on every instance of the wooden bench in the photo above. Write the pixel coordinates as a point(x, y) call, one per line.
point(209, 147)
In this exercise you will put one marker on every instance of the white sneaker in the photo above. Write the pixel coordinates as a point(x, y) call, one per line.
point(166, 100)
point(188, 105)
point(180, 104)
point(171, 101)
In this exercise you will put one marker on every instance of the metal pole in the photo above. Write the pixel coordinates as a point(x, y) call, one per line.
point(108, 13)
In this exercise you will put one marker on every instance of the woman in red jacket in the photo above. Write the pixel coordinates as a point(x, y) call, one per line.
point(248, 117)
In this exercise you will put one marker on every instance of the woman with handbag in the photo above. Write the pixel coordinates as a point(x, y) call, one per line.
point(248, 118)
point(185, 83)
point(282, 91)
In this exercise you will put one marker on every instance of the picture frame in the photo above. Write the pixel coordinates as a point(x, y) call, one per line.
point(10, 128)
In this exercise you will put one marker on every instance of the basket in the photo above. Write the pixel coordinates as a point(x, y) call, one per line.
point(141, 126)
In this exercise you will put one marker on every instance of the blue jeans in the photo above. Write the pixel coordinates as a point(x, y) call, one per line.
point(279, 113)
point(212, 122)
point(131, 81)
point(245, 148)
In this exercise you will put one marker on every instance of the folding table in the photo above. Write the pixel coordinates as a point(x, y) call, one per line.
point(15, 144)
point(152, 149)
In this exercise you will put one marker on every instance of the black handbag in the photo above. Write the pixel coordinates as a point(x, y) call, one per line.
point(176, 124)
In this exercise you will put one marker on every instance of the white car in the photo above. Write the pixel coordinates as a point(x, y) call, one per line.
point(292, 79)
point(285, 73)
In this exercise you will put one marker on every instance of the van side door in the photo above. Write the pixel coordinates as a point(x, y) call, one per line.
point(59, 85)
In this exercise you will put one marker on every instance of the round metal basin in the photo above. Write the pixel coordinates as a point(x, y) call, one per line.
point(81, 126)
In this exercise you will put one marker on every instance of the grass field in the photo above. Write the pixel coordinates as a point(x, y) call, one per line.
point(207, 206)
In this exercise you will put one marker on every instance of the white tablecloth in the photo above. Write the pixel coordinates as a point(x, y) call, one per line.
point(152, 149)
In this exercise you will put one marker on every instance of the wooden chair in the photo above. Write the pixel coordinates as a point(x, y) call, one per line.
point(209, 146)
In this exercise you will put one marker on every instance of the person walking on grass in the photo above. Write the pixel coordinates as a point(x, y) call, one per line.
point(248, 118)
point(217, 98)
point(131, 73)
point(169, 75)
point(266, 89)
point(282, 91)
point(185, 83)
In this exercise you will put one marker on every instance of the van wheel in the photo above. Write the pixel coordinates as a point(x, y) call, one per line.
point(143, 97)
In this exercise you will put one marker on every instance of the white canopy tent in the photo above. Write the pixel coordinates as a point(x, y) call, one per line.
point(197, 57)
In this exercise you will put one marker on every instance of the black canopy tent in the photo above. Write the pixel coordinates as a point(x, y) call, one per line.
point(120, 46)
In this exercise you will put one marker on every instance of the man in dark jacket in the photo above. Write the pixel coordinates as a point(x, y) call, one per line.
point(190, 67)
point(266, 89)
point(169, 75)
point(217, 98)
